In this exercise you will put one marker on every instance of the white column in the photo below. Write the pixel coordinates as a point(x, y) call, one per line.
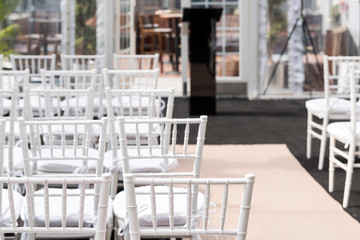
point(68, 26)
point(249, 46)
point(296, 74)
point(105, 30)
point(185, 49)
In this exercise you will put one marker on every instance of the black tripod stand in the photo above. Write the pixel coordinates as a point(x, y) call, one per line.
point(308, 39)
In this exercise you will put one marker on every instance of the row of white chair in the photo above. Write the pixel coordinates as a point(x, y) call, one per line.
point(339, 103)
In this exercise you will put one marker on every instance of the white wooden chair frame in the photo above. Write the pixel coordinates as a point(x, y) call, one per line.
point(135, 62)
point(59, 104)
point(100, 206)
point(350, 151)
point(331, 90)
point(136, 231)
point(61, 148)
point(14, 79)
point(131, 79)
point(34, 63)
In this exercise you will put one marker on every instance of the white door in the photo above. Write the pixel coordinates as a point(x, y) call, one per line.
point(125, 26)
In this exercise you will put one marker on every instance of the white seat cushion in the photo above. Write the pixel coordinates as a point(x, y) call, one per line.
point(36, 103)
point(162, 202)
point(337, 106)
point(143, 165)
point(342, 131)
point(65, 166)
point(72, 208)
point(16, 130)
point(5, 220)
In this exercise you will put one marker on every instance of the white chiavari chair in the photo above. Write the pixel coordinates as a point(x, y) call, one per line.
point(131, 79)
point(185, 213)
point(76, 79)
point(54, 151)
point(88, 62)
point(59, 104)
point(135, 62)
point(335, 104)
point(52, 212)
point(10, 201)
point(347, 133)
point(157, 160)
point(34, 63)
point(145, 104)
point(12, 84)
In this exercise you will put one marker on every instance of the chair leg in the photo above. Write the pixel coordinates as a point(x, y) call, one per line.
point(331, 164)
point(308, 138)
point(349, 173)
point(323, 143)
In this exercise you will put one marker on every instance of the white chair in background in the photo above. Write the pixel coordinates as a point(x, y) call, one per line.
point(14, 79)
point(77, 79)
point(179, 206)
point(1, 61)
point(346, 133)
point(82, 62)
point(59, 104)
point(135, 62)
point(335, 104)
point(56, 150)
point(34, 63)
point(58, 212)
point(131, 79)
point(10, 201)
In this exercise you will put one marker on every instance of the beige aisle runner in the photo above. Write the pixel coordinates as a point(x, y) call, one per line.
point(287, 202)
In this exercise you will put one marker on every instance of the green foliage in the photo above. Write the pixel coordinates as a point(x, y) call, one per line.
point(7, 39)
point(7, 7)
point(8, 33)
point(277, 20)
point(85, 42)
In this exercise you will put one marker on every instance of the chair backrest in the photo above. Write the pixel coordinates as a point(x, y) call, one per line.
point(139, 103)
point(229, 191)
point(336, 75)
point(175, 137)
point(131, 79)
point(79, 142)
point(45, 225)
point(2, 146)
point(59, 104)
point(14, 79)
point(33, 62)
point(136, 62)
point(82, 62)
point(69, 79)
point(354, 78)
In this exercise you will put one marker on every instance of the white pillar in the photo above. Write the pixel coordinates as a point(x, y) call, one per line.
point(105, 30)
point(249, 46)
point(68, 26)
point(185, 49)
point(296, 74)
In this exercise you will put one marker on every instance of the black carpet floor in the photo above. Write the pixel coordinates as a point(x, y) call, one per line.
point(240, 121)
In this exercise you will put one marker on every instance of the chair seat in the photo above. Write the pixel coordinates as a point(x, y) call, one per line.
point(63, 166)
point(16, 129)
point(5, 220)
point(72, 208)
point(342, 131)
point(153, 165)
point(143, 202)
point(83, 102)
point(337, 106)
